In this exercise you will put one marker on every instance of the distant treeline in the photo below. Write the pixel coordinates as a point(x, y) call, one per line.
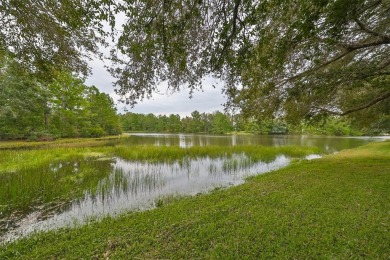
point(216, 123)
point(62, 107)
point(222, 123)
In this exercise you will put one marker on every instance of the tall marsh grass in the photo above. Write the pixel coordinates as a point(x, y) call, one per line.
point(173, 153)
point(15, 160)
point(53, 183)
point(46, 175)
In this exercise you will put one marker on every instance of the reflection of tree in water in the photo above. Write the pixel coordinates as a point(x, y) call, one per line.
point(327, 144)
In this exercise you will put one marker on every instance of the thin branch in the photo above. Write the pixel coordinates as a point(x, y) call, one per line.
point(376, 74)
point(384, 64)
point(151, 21)
point(380, 40)
point(348, 49)
point(233, 32)
point(369, 104)
point(341, 55)
point(364, 28)
point(373, 5)
point(224, 11)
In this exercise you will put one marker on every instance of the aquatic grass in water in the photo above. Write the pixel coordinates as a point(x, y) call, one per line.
point(42, 179)
point(325, 143)
point(106, 145)
point(38, 188)
point(134, 185)
point(30, 169)
point(172, 153)
point(14, 160)
point(66, 142)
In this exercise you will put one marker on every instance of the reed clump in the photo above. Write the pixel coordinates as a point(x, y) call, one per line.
point(172, 153)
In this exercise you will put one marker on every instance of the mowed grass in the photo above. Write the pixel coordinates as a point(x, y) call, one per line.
point(335, 207)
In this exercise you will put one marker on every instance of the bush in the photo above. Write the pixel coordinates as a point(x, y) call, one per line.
point(41, 136)
point(94, 131)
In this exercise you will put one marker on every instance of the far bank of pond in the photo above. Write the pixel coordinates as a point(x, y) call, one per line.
point(70, 183)
point(327, 144)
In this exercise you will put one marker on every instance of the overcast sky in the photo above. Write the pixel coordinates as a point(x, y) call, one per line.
point(210, 100)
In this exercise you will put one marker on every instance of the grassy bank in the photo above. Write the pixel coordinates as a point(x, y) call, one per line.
point(335, 207)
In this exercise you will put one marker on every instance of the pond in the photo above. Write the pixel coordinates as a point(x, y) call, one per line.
point(121, 185)
point(328, 144)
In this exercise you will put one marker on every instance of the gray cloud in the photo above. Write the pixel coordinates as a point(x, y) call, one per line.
point(208, 100)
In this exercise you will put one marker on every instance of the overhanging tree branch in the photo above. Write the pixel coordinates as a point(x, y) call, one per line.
point(369, 104)
point(364, 28)
point(229, 40)
point(381, 40)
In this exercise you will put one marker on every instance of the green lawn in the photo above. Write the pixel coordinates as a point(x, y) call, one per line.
point(335, 207)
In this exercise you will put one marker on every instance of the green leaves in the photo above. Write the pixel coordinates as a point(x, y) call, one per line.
point(318, 51)
point(315, 50)
point(59, 34)
point(65, 108)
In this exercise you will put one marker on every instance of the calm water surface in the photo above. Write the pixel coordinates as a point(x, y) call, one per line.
point(327, 144)
point(132, 185)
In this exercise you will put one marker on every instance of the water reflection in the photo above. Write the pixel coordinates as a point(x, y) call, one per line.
point(326, 143)
point(138, 185)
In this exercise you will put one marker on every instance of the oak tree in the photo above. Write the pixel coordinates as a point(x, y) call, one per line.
point(289, 59)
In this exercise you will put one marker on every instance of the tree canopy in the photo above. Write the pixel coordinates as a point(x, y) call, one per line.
point(44, 48)
point(214, 123)
point(64, 108)
point(54, 35)
point(290, 59)
point(278, 58)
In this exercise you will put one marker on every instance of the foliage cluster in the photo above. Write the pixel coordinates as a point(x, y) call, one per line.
point(335, 126)
point(265, 126)
point(47, 36)
point(215, 123)
point(278, 59)
point(219, 123)
point(292, 59)
point(63, 107)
